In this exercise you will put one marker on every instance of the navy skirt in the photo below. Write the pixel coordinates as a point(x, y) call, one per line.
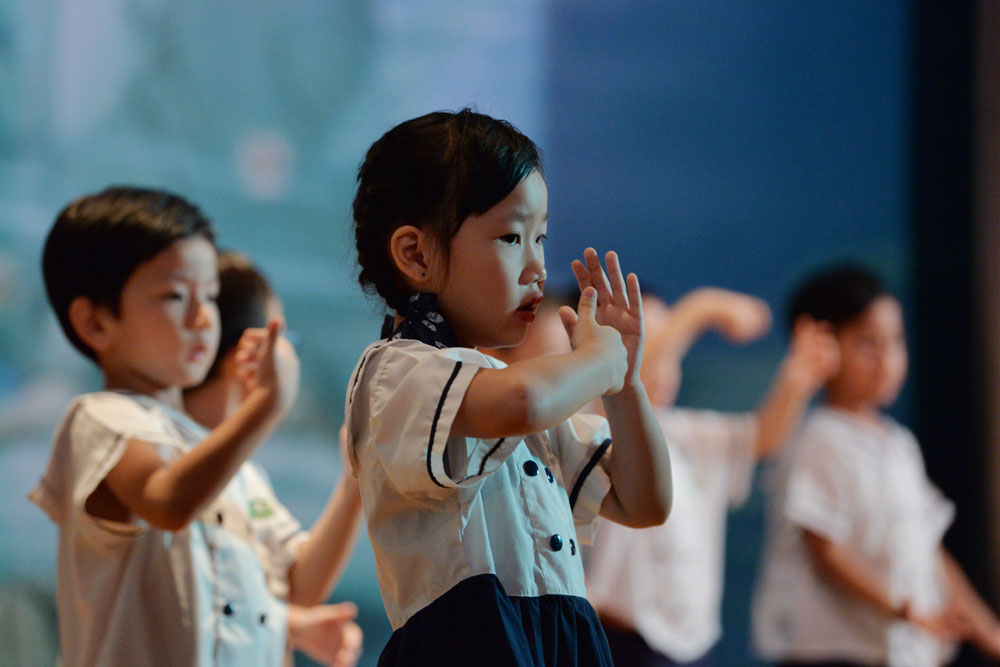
point(477, 623)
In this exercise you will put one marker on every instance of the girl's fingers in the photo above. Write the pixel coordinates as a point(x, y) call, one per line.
point(588, 304)
point(617, 281)
point(597, 277)
point(569, 320)
point(634, 295)
point(581, 274)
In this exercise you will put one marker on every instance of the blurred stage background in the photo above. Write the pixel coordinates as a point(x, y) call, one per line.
point(729, 144)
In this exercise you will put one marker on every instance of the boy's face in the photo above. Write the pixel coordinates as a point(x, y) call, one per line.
point(493, 283)
point(167, 329)
point(873, 357)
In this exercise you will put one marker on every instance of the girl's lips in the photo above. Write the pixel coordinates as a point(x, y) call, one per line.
point(526, 315)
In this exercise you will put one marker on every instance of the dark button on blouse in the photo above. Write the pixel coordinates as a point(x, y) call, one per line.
point(548, 473)
point(263, 619)
point(556, 542)
point(227, 609)
point(572, 548)
point(530, 468)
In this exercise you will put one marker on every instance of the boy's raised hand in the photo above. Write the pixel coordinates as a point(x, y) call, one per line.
point(619, 304)
point(266, 359)
point(813, 355)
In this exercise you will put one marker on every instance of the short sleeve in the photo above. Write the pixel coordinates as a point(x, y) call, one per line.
point(821, 488)
point(715, 443)
point(582, 445)
point(89, 442)
point(414, 393)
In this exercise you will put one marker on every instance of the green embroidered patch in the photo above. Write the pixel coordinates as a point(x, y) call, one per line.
point(260, 508)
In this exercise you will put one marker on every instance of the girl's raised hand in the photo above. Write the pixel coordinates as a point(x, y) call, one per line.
point(584, 330)
point(619, 304)
point(267, 359)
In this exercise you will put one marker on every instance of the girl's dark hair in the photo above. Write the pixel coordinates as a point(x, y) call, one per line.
point(244, 293)
point(837, 295)
point(432, 172)
point(98, 240)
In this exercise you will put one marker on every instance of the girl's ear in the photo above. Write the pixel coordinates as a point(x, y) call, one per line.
point(90, 322)
point(414, 253)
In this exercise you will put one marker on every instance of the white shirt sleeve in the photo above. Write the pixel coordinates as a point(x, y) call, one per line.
point(582, 444)
point(715, 443)
point(821, 488)
point(415, 392)
point(88, 444)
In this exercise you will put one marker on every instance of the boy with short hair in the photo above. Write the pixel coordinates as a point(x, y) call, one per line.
point(161, 529)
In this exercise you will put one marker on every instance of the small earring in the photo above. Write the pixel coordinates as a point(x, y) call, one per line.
point(423, 275)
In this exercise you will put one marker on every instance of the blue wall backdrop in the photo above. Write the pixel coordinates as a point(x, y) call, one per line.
point(729, 144)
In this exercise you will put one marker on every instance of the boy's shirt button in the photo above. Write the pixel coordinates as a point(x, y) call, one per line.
point(556, 542)
point(227, 609)
point(530, 468)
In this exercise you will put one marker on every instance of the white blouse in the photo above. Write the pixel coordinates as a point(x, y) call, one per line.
point(442, 509)
point(861, 485)
point(131, 594)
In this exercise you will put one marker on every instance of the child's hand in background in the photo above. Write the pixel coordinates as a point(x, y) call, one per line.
point(742, 318)
point(326, 633)
point(266, 359)
point(619, 304)
point(813, 355)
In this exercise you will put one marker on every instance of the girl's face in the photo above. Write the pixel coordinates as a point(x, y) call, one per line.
point(873, 358)
point(493, 283)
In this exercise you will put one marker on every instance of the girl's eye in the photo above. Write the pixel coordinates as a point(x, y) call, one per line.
point(511, 239)
point(541, 238)
point(173, 296)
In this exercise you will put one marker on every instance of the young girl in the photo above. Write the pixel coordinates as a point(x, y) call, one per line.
point(855, 572)
point(477, 479)
point(325, 631)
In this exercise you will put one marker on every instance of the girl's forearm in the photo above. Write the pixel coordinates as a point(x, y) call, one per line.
point(323, 557)
point(641, 484)
point(533, 395)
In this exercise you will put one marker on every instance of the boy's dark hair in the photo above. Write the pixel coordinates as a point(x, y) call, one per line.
point(837, 295)
point(98, 240)
point(243, 297)
point(432, 172)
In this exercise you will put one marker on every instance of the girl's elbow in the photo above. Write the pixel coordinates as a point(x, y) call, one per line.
point(524, 409)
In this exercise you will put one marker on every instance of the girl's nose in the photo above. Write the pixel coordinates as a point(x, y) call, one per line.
point(535, 272)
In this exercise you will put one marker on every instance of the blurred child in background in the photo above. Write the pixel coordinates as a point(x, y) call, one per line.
point(855, 572)
point(658, 590)
point(323, 631)
point(161, 528)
